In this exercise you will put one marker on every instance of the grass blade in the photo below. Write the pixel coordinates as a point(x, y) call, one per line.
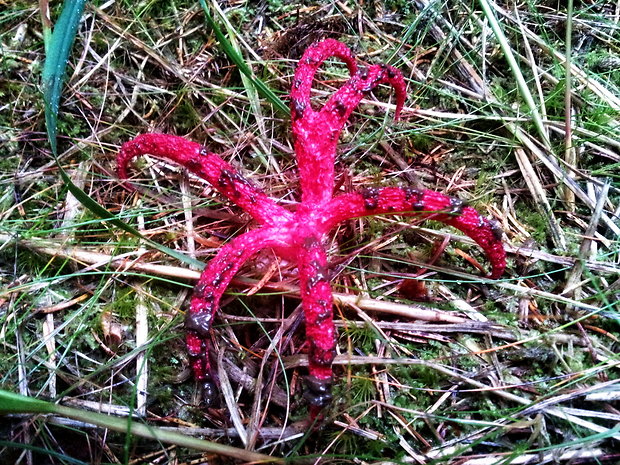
point(16, 403)
point(54, 69)
point(516, 71)
point(239, 61)
point(58, 49)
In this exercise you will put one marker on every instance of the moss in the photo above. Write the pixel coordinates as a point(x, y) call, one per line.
point(537, 224)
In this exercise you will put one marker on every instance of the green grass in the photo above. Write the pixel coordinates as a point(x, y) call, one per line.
point(485, 121)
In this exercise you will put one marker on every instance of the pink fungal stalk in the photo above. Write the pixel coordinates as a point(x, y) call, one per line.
point(299, 234)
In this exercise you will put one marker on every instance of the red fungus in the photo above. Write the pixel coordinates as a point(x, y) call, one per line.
point(299, 235)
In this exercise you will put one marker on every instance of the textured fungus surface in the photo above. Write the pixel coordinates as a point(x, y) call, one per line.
point(299, 233)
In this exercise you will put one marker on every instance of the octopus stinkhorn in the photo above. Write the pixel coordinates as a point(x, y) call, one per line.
point(299, 233)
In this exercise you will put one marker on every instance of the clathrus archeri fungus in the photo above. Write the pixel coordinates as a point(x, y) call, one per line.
point(299, 233)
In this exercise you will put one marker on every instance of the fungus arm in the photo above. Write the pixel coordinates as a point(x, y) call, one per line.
point(205, 300)
point(317, 132)
point(312, 59)
point(425, 204)
point(317, 303)
point(209, 166)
